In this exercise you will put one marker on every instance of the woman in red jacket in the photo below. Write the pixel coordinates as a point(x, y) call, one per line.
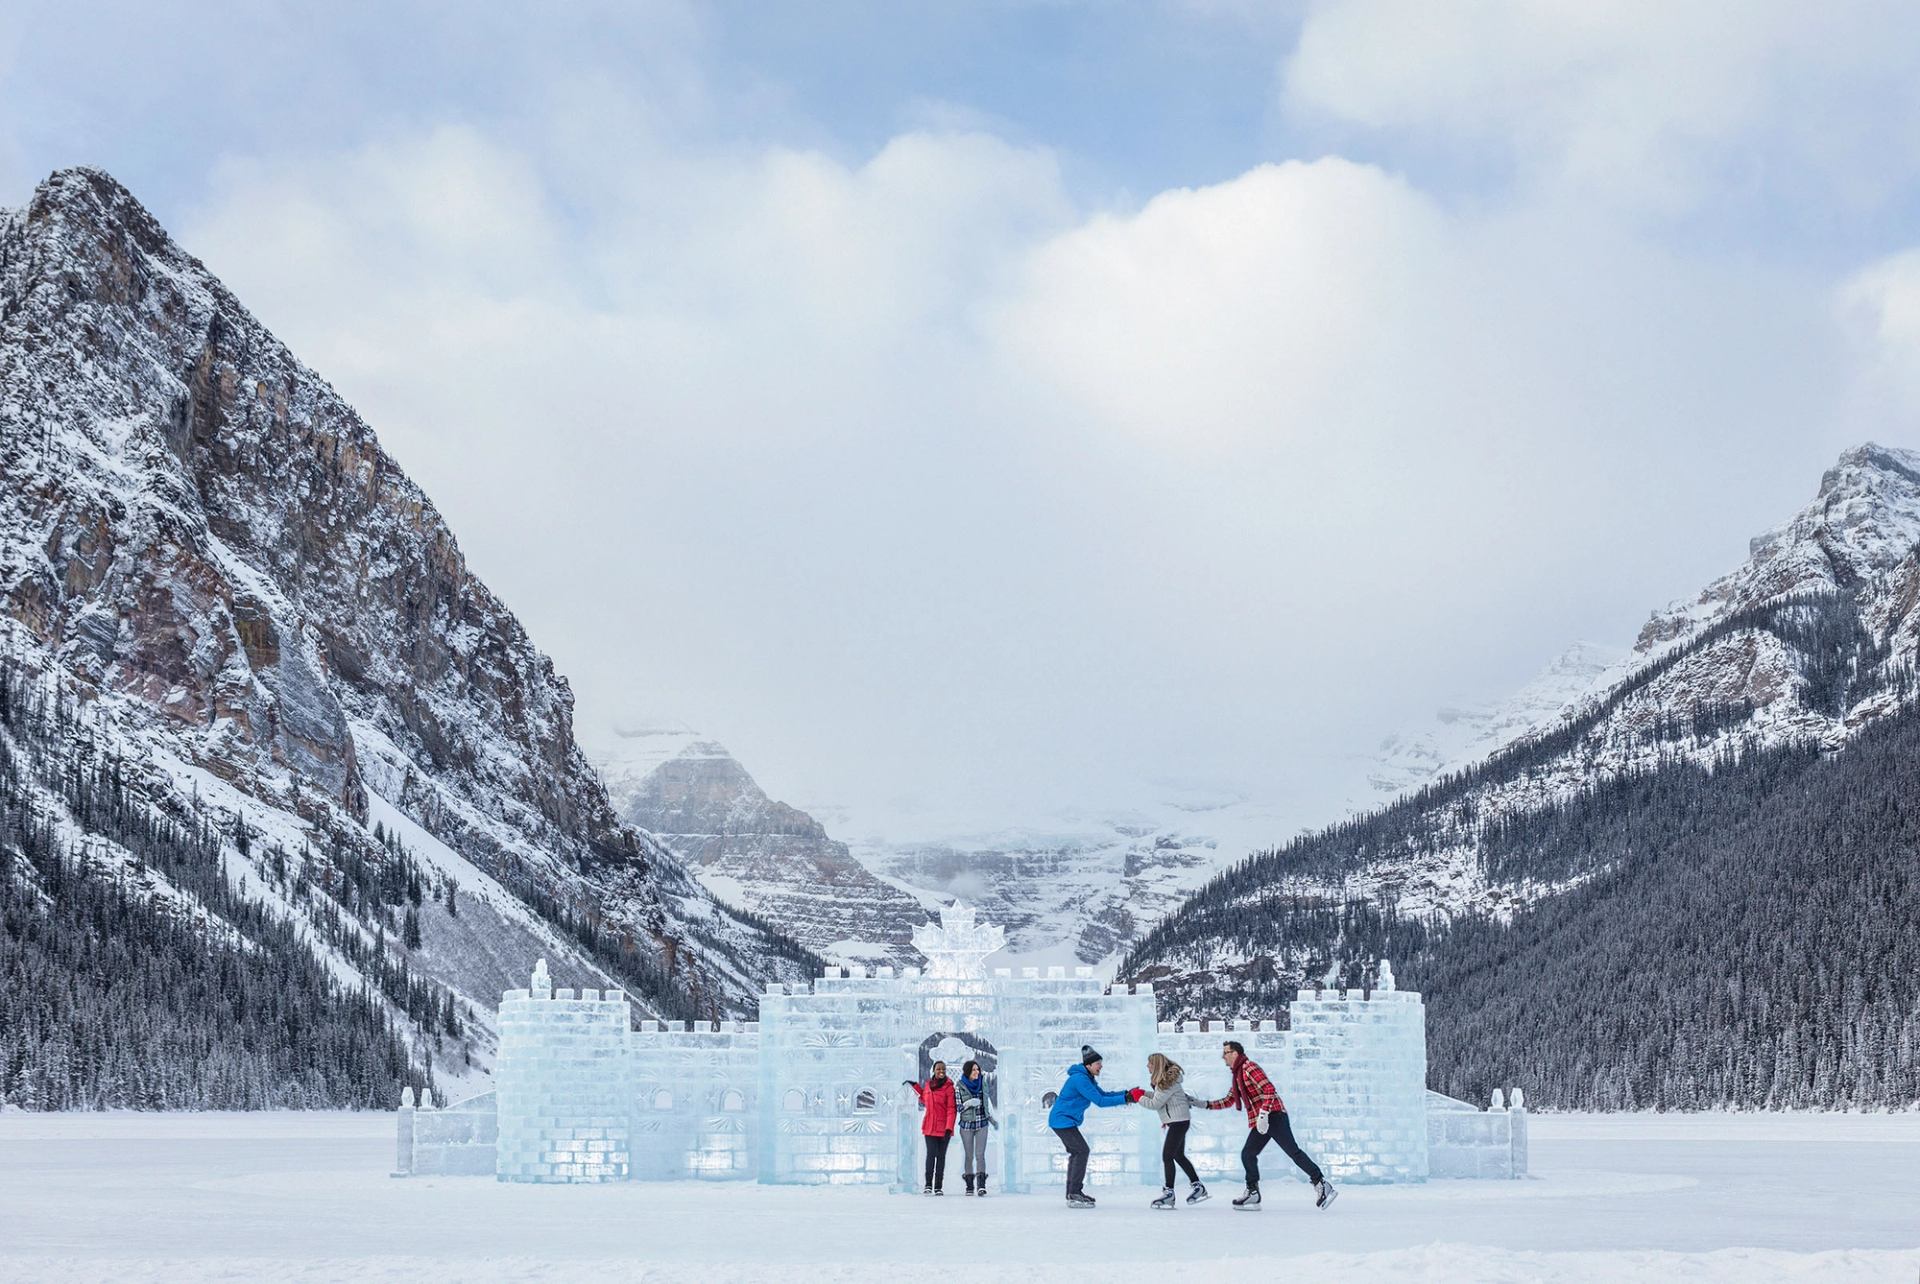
point(936, 1123)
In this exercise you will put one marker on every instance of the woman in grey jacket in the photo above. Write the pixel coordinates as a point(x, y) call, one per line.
point(1170, 1101)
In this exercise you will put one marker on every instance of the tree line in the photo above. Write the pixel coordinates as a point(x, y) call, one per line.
point(114, 994)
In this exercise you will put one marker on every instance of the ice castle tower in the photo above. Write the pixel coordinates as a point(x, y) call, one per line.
point(813, 1092)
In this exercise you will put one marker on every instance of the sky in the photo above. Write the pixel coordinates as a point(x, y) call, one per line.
point(1004, 407)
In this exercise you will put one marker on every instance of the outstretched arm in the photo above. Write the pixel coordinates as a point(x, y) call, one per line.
point(1221, 1103)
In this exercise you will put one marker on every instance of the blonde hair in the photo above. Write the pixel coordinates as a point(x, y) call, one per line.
point(1164, 1071)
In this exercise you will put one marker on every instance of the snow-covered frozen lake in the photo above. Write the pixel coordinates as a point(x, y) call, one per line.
point(307, 1197)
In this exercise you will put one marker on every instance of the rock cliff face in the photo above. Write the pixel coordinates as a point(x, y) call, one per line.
point(753, 853)
point(200, 540)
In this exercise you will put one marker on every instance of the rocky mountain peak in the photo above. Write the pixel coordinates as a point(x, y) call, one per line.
point(1858, 537)
point(752, 851)
point(209, 545)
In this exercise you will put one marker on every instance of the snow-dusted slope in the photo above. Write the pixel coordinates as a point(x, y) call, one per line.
point(754, 853)
point(206, 546)
point(1463, 734)
point(1808, 642)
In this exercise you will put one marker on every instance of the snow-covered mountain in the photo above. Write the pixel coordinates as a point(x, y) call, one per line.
point(1809, 642)
point(753, 853)
point(270, 630)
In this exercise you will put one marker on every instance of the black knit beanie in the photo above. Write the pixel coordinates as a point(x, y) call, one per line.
point(1088, 1056)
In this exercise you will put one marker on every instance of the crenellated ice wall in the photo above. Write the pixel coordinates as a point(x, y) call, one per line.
point(1356, 1087)
point(562, 1083)
point(695, 1103)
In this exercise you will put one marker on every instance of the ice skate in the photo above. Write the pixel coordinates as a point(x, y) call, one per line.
point(1249, 1202)
point(1077, 1200)
point(1166, 1199)
point(1324, 1193)
point(1198, 1195)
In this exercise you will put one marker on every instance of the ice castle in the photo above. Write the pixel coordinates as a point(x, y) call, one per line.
point(813, 1092)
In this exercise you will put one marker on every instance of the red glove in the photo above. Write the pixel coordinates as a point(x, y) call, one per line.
point(1136, 1094)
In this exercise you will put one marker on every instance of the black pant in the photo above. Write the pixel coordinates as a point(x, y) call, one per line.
point(1174, 1151)
point(937, 1161)
point(1077, 1152)
point(1278, 1129)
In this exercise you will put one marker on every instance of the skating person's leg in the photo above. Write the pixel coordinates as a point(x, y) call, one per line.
point(1250, 1156)
point(1077, 1152)
point(1282, 1132)
point(1174, 1151)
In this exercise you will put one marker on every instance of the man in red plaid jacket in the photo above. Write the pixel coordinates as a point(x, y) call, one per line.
point(1266, 1121)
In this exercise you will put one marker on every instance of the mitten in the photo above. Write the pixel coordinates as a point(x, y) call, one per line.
point(1260, 1121)
point(948, 1134)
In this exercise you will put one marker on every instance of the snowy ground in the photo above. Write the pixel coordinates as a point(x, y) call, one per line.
point(307, 1197)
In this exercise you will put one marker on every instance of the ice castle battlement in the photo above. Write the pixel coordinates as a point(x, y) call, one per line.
point(813, 1091)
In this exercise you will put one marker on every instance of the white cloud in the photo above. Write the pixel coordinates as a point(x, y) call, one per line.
point(902, 471)
point(1220, 316)
point(1645, 104)
point(1880, 306)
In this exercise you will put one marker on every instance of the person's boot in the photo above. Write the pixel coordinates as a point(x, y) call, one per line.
point(982, 1179)
point(1165, 1200)
point(1249, 1202)
point(1324, 1193)
point(1198, 1194)
point(928, 1190)
point(969, 1180)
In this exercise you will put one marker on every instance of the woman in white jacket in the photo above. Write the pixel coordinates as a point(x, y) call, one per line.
point(1169, 1099)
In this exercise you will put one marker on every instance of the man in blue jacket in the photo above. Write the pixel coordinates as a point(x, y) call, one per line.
point(1082, 1089)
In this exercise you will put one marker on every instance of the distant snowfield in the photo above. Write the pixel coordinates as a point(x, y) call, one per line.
point(305, 1197)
